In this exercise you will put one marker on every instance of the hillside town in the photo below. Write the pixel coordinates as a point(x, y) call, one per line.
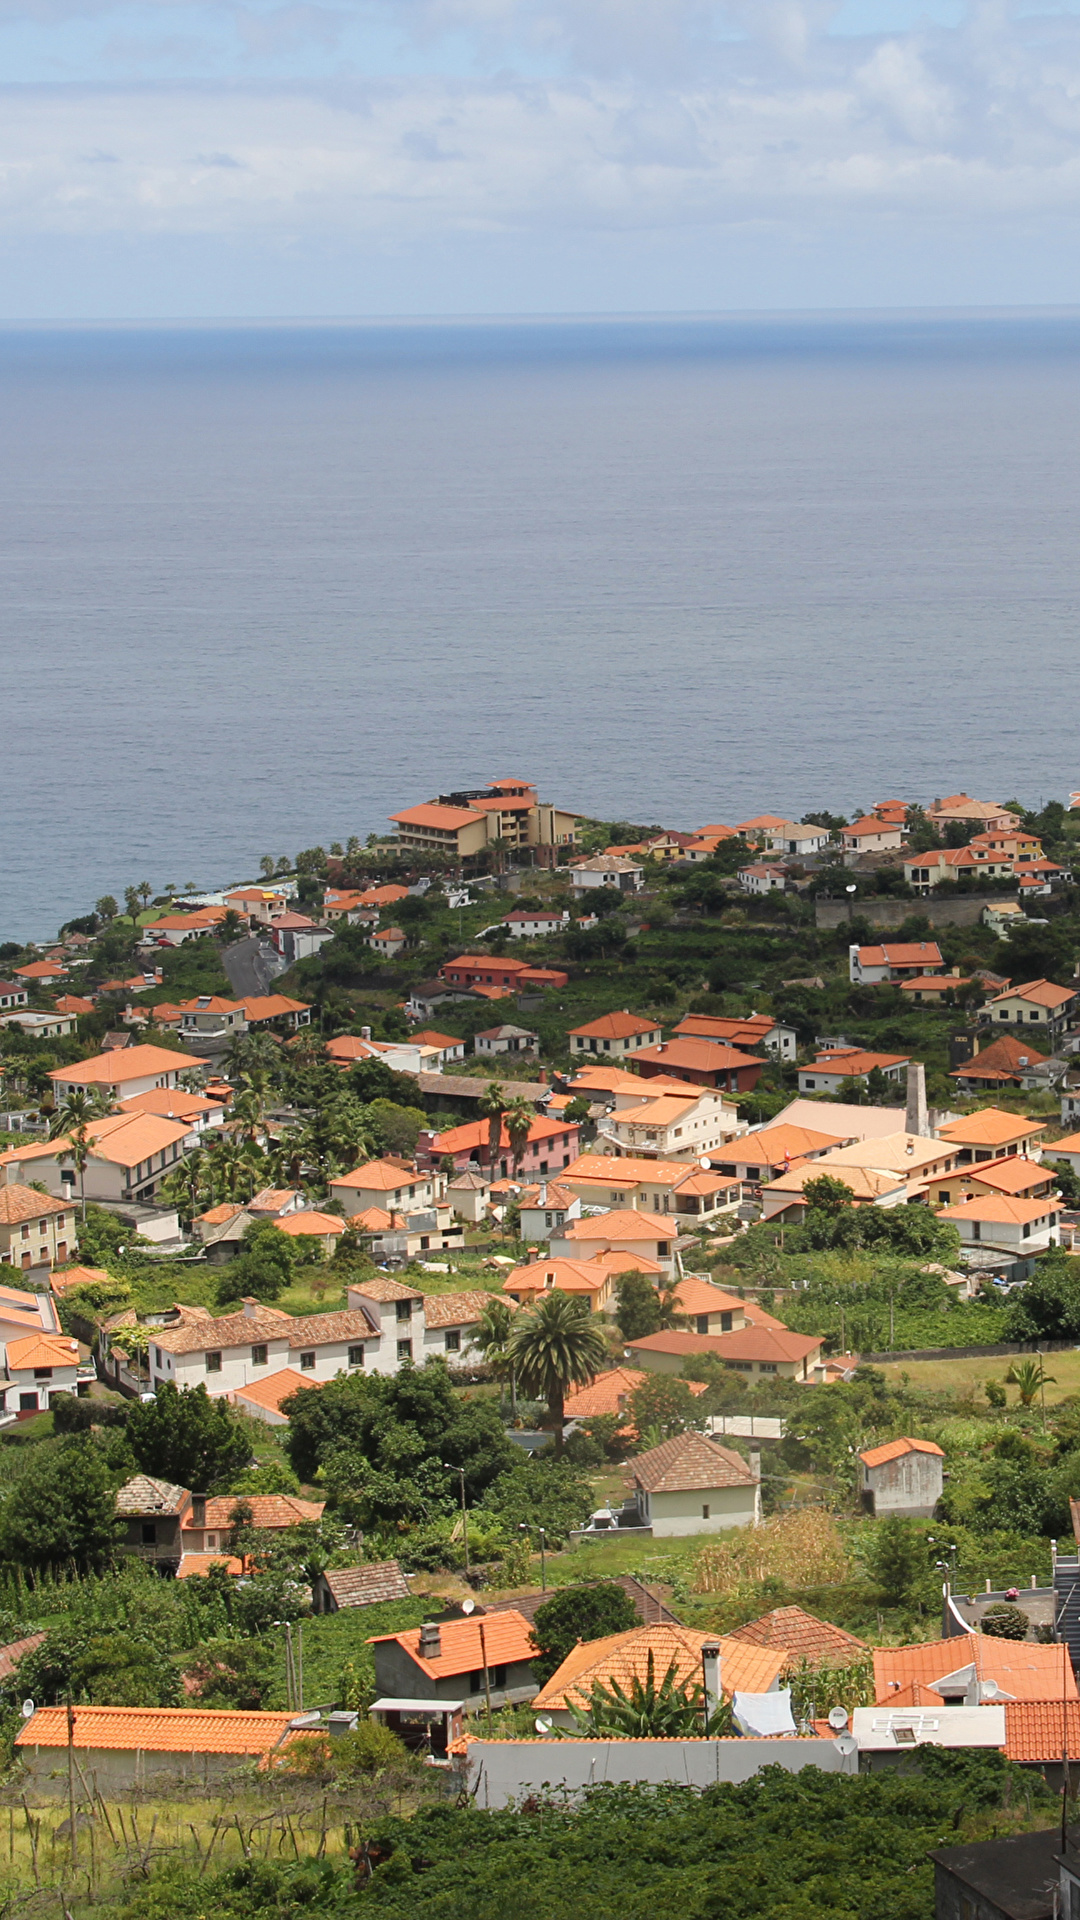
point(613, 1288)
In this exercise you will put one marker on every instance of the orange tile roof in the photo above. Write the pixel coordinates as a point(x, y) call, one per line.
point(624, 1657)
point(156, 1730)
point(689, 1462)
point(773, 1145)
point(687, 1054)
point(74, 1003)
point(508, 1638)
point(616, 1026)
point(1023, 1668)
point(380, 1176)
point(427, 1037)
point(745, 1343)
point(559, 1275)
point(126, 1063)
point(895, 1450)
point(1037, 1730)
point(447, 819)
point(217, 1216)
point(609, 1392)
point(40, 970)
point(13, 1653)
point(169, 1103)
point(626, 1223)
point(71, 1277)
point(695, 1295)
point(311, 1221)
point(456, 1309)
point(1006, 1052)
point(270, 1511)
point(1001, 1209)
point(990, 1127)
point(802, 1636)
point(200, 1564)
point(19, 1203)
point(1015, 1175)
point(933, 982)
point(475, 1134)
point(276, 1387)
point(849, 1060)
point(372, 1220)
point(619, 1260)
point(127, 1139)
point(42, 1350)
point(383, 1287)
point(272, 1006)
point(1044, 993)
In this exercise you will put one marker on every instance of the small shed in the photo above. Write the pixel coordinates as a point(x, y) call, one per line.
point(903, 1476)
point(341, 1587)
point(690, 1485)
point(129, 1746)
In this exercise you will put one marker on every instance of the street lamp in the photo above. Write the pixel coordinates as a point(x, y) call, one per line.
point(542, 1531)
point(460, 1471)
point(850, 891)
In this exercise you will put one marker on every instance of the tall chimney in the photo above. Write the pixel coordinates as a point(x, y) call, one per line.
point(915, 1116)
point(430, 1641)
point(710, 1673)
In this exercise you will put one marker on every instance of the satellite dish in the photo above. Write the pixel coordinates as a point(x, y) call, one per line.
point(542, 1724)
point(846, 1743)
point(838, 1719)
point(705, 1163)
point(468, 1606)
point(28, 1709)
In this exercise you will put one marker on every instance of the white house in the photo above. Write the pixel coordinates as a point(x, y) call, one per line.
point(1003, 1224)
point(614, 870)
point(393, 1184)
point(40, 1026)
point(528, 923)
point(131, 1154)
point(690, 1485)
point(127, 1070)
point(893, 960)
point(762, 877)
point(672, 1126)
point(871, 835)
point(505, 1039)
point(828, 1072)
point(230, 1352)
point(615, 1035)
point(38, 1367)
point(775, 835)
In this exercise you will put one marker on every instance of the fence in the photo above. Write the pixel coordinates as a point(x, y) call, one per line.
point(1000, 1352)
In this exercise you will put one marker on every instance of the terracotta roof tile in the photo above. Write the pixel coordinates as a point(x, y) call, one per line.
point(802, 1637)
point(896, 1449)
point(616, 1026)
point(18, 1203)
point(624, 1657)
point(367, 1586)
point(1025, 1669)
point(456, 1309)
point(271, 1511)
point(274, 1388)
point(144, 1495)
point(508, 1638)
point(156, 1730)
point(1036, 1730)
point(687, 1462)
point(130, 1063)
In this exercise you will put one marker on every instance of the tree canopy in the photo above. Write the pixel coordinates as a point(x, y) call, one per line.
point(184, 1436)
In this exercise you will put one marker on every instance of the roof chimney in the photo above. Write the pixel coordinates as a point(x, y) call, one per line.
point(365, 1033)
point(251, 1307)
point(198, 1509)
point(710, 1673)
point(430, 1641)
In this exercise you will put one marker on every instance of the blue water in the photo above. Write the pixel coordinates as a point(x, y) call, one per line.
point(262, 586)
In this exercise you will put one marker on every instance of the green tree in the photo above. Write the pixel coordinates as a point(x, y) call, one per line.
point(661, 1407)
point(518, 1120)
point(491, 1108)
point(106, 908)
point(184, 1436)
point(637, 1306)
point(99, 1668)
point(491, 1335)
point(1003, 1622)
point(395, 1425)
point(896, 1560)
point(578, 1613)
point(1029, 1377)
point(63, 1509)
point(554, 1347)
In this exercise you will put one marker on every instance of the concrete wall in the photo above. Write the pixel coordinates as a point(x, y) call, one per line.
point(674, 1514)
point(911, 1485)
point(962, 910)
point(503, 1770)
point(112, 1770)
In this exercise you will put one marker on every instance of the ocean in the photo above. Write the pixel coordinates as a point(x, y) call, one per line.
point(263, 585)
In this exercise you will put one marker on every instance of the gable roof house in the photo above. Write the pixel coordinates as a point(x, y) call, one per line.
point(37, 1232)
point(342, 1588)
point(1004, 1224)
point(131, 1070)
point(621, 1230)
point(550, 1147)
point(625, 1657)
point(702, 1063)
point(754, 1350)
point(750, 1031)
point(828, 1072)
point(690, 1485)
point(131, 1154)
point(235, 1349)
point(615, 1035)
point(1006, 1062)
point(991, 1134)
point(124, 1747)
point(902, 1476)
point(893, 960)
point(461, 1661)
point(669, 1122)
point(590, 1280)
point(802, 1637)
point(1038, 1003)
point(871, 834)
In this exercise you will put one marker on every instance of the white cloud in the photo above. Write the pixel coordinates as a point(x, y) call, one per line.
point(793, 126)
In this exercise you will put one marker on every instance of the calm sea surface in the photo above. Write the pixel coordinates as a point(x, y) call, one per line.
point(260, 587)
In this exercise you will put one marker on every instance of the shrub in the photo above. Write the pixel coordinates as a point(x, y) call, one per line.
point(1005, 1622)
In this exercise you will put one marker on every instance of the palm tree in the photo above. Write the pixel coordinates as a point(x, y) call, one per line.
point(145, 892)
point(671, 1314)
point(518, 1120)
point(77, 1109)
point(1030, 1377)
point(491, 1108)
point(555, 1347)
point(186, 1185)
point(492, 1335)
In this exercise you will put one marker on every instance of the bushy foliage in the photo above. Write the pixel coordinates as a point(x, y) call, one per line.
point(63, 1508)
point(537, 1490)
point(184, 1436)
point(578, 1613)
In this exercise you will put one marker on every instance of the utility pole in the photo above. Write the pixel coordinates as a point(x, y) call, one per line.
point(487, 1675)
point(460, 1471)
point(71, 1782)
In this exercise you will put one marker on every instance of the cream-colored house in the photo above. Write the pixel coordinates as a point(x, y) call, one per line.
point(393, 1184)
point(630, 1230)
point(614, 1035)
point(127, 1070)
point(690, 1485)
point(131, 1154)
point(36, 1230)
point(660, 1124)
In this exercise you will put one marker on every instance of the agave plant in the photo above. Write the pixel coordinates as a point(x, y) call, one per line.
point(647, 1711)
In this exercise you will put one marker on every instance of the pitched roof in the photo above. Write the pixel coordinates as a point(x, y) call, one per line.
point(156, 1729)
point(272, 1511)
point(990, 1127)
point(380, 1176)
point(196, 1333)
point(272, 1006)
point(507, 1636)
point(771, 1146)
point(1042, 993)
point(309, 1221)
point(688, 1054)
point(853, 1060)
point(129, 1063)
point(65, 1280)
point(19, 1203)
point(367, 1586)
point(1016, 1174)
point(456, 1309)
point(628, 1223)
point(444, 819)
point(896, 1449)
point(689, 1461)
point(901, 953)
point(13, 1653)
point(142, 1494)
point(1037, 1730)
point(1006, 1054)
point(1001, 1209)
point(773, 1343)
point(383, 1287)
point(273, 1388)
point(695, 1295)
point(559, 1275)
point(1024, 1668)
point(802, 1636)
point(200, 1564)
point(624, 1657)
point(427, 1037)
point(616, 1026)
point(170, 1103)
point(475, 1134)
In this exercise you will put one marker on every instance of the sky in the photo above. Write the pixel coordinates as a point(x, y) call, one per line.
point(332, 158)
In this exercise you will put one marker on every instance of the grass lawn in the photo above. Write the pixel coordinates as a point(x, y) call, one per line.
point(952, 1376)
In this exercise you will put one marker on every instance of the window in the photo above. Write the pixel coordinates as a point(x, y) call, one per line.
point(258, 1356)
point(725, 1323)
point(404, 1309)
point(42, 1373)
point(213, 1362)
point(28, 1402)
point(404, 1349)
point(453, 1340)
point(767, 1366)
point(702, 1323)
point(149, 1534)
point(356, 1356)
point(705, 1510)
point(307, 1361)
point(211, 1540)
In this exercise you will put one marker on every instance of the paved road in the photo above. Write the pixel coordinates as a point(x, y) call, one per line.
point(248, 967)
